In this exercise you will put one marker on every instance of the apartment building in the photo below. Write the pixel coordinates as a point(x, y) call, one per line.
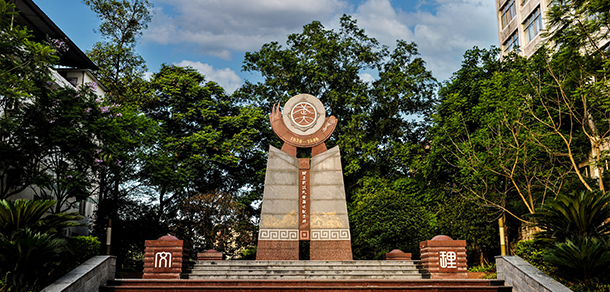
point(520, 23)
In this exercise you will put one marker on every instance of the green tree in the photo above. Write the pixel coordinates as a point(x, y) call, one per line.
point(215, 221)
point(123, 136)
point(63, 121)
point(48, 135)
point(121, 68)
point(571, 84)
point(569, 103)
point(208, 143)
point(23, 75)
point(462, 218)
point(377, 129)
point(383, 219)
point(579, 26)
point(127, 134)
point(488, 140)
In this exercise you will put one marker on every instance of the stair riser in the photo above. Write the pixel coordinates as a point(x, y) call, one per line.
point(275, 271)
point(277, 284)
point(385, 268)
point(307, 289)
point(307, 263)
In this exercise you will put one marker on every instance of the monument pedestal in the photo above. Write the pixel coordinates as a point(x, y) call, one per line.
point(444, 258)
point(330, 250)
point(276, 250)
point(165, 258)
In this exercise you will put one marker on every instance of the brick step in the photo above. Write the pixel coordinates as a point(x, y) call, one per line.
point(338, 277)
point(303, 272)
point(309, 263)
point(137, 285)
point(308, 268)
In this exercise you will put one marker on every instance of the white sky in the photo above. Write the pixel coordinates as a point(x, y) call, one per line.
point(212, 36)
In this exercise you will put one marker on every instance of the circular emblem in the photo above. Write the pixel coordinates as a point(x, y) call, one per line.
point(304, 114)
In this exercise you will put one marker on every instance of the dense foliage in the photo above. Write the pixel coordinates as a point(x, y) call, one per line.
point(31, 245)
point(504, 137)
point(380, 123)
point(383, 219)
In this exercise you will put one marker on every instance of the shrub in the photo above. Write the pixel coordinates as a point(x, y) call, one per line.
point(28, 258)
point(574, 215)
point(248, 253)
point(84, 247)
point(585, 260)
point(78, 250)
point(532, 251)
point(31, 246)
point(484, 268)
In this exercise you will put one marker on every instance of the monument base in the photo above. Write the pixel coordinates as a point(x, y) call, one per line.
point(330, 250)
point(444, 258)
point(165, 258)
point(277, 250)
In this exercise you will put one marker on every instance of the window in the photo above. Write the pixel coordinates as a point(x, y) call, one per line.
point(508, 13)
point(533, 24)
point(512, 42)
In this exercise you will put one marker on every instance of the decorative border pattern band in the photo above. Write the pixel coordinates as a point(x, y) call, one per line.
point(278, 234)
point(330, 234)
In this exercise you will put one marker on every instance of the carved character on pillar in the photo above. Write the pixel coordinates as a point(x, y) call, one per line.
point(163, 259)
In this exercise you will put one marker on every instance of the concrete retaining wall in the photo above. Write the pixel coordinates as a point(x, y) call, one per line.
point(524, 277)
point(87, 277)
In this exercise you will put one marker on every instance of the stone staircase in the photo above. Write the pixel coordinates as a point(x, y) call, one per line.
point(307, 270)
point(328, 276)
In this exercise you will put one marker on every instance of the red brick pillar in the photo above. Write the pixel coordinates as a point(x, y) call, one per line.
point(444, 258)
point(397, 255)
point(209, 255)
point(165, 258)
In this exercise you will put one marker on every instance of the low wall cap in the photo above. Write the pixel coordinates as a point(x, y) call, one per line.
point(211, 251)
point(168, 237)
point(441, 237)
point(396, 251)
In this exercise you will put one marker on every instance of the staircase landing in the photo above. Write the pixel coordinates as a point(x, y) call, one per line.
point(328, 276)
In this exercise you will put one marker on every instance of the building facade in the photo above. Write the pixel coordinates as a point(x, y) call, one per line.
point(73, 70)
point(520, 24)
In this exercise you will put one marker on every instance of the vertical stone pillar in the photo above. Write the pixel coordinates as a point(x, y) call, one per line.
point(330, 235)
point(278, 237)
point(165, 258)
point(444, 258)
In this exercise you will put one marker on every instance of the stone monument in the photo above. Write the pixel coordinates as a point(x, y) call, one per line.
point(304, 198)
